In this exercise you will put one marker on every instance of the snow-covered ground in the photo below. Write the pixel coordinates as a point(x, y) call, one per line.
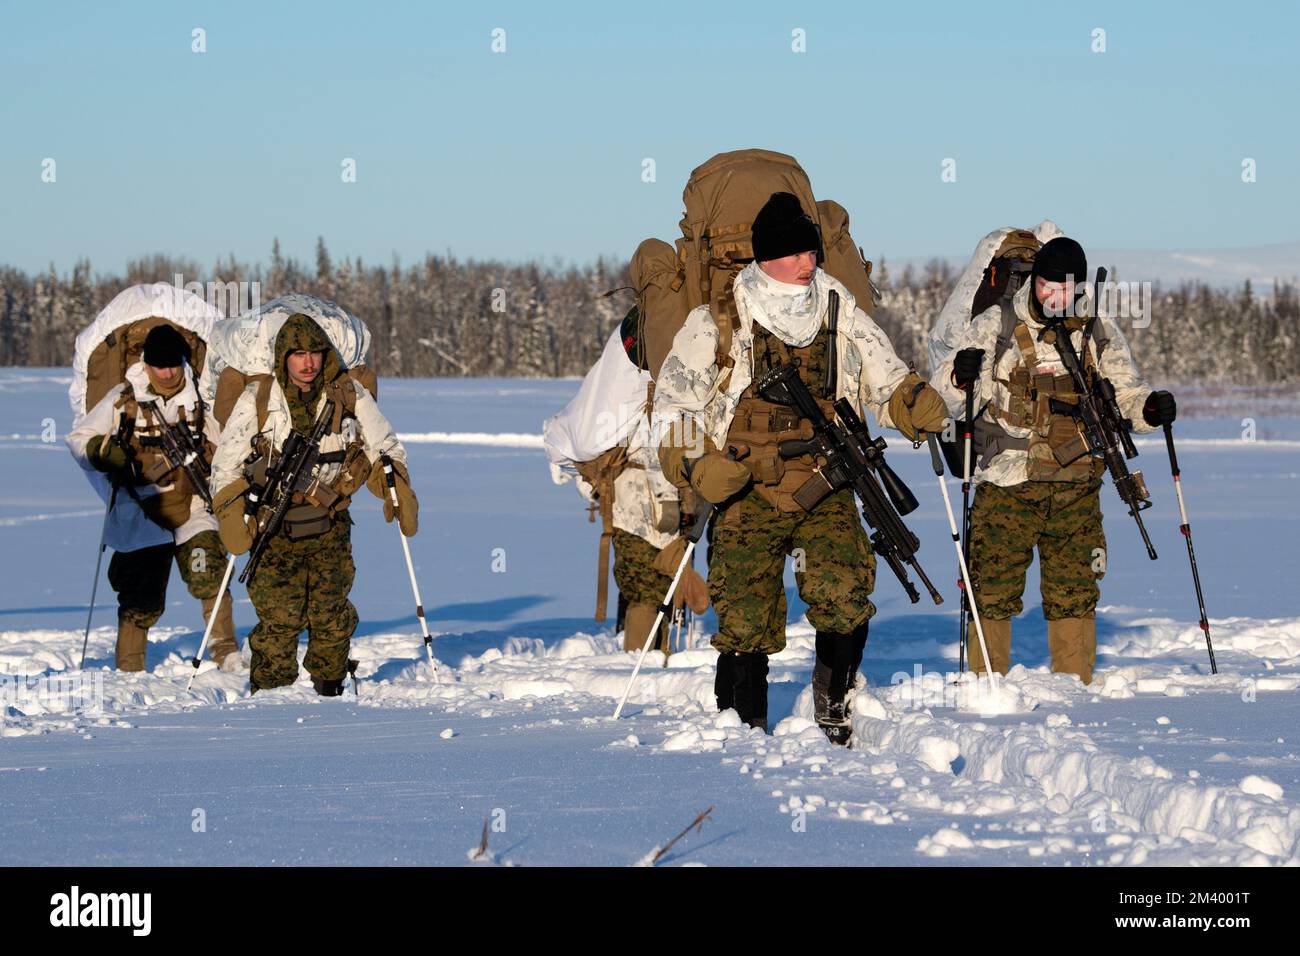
point(1157, 762)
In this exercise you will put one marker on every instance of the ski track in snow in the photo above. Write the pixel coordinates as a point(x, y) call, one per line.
point(1006, 777)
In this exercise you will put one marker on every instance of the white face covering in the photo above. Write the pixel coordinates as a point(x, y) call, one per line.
point(791, 312)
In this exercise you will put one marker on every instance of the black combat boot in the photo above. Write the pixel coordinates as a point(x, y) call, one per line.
point(724, 681)
point(859, 638)
point(750, 688)
point(758, 691)
point(831, 676)
point(328, 688)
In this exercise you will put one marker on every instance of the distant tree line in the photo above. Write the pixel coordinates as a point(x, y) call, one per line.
point(445, 317)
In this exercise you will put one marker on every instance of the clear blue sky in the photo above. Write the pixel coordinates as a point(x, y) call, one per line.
point(537, 152)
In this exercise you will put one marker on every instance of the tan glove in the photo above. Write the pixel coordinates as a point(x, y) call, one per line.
point(408, 508)
point(235, 528)
point(715, 477)
point(915, 407)
point(684, 438)
point(691, 589)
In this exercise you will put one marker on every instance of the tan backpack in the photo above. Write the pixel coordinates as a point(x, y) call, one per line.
point(721, 200)
point(122, 348)
point(842, 258)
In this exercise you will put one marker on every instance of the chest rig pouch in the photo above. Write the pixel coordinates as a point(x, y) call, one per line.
point(1056, 446)
point(315, 503)
point(170, 507)
point(760, 426)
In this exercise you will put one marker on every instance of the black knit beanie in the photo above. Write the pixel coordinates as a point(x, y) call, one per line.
point(1060, 258)
point(782, 228)
point(164, 347)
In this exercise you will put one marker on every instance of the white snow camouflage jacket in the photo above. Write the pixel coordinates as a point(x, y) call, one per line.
point(369, 426)
point(688, 383)
point(129, 529)
point(1010, 466)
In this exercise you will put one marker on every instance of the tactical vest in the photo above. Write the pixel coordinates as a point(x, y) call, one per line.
point(315, 503)
point(760, 426)
point(1056, 445)
point(170, 508)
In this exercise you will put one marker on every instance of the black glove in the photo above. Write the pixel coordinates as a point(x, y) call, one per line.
point(1160, 409)
point(966, 367)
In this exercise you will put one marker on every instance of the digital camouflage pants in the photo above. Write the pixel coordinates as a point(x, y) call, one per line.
point(303, 585)
point(1063, 521)
point(835, 570)
point(642, 586)
point(634, 569)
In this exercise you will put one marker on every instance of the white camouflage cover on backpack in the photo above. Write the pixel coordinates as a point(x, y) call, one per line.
point(247, 342)
point(160, 299)
point(955, 315)
point(608, 410)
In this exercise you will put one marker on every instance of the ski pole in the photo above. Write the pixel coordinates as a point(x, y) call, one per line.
point(967, 442)
point(654, 629)
point(391, 479)
point(692, 538)
point(1186, 529)
point(99, 561)
point(212, 619)
point(937, 460)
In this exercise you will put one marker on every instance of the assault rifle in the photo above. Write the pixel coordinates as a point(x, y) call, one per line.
point(269, 501)
point(182, 450)
point(850, 458)
point(1103, 425)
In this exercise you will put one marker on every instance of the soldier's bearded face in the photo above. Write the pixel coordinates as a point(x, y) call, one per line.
point(303, 367)
point(797, 269)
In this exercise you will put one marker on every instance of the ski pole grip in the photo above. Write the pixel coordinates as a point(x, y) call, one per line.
point(1169, 443)
point(389, 476)
point(936, 457)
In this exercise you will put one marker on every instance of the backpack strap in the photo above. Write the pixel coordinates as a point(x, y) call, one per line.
point(601, 472)
point(833, 324)
point(727, 318)
point(1006, 334)
point(262, 398)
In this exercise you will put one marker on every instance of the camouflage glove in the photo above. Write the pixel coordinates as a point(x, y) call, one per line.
point(408, 508)
point(915, 407)
point(234, 527)
point(109, 456)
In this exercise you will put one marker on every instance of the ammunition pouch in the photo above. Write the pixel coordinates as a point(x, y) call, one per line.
point(812, 492)
point(306, 521)
point(315, 503)
point(1046, 405)
point(757, 431)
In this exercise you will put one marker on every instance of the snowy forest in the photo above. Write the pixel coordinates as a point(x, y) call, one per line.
point(447, 318)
